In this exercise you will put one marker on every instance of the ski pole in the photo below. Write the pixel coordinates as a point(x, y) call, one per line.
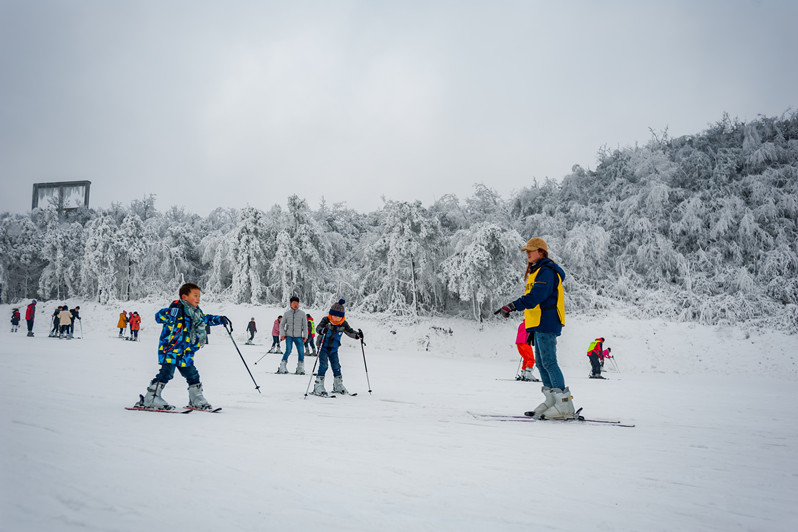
point(518, 369)
point(363, 350)
point(261, 358)
point(321, 346)
point(615, 364)
point(230, 334)
point(81, 329)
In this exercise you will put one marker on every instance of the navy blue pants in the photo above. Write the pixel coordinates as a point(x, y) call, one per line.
point(331, 355)
point(190, 373)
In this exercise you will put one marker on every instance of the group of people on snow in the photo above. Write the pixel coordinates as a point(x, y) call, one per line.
point(131, 319)
point(64, 322)
point(186, 327)
point(309, 341)
point(298, 329)
point(184, 333)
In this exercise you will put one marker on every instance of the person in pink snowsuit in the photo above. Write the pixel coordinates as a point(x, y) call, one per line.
point(522, 341)
point(275, 348)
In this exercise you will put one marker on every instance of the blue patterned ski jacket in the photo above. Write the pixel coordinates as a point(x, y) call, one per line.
point(176, 346)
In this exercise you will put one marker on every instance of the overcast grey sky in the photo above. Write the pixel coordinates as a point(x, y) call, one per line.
point(225, 104)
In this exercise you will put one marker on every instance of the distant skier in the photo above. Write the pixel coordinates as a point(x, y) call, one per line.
point(294, 330)
point(595, 352)
point(64, 319)
point(543, 304)
point(309, 341)
point(56, 323)
point(275, 348)
point(30, 316)
point(15, 317)
point(75, 312)
point(182, 335)
point(523, 342)
point(330, 330)
point(135, 326)
point(122, 323)
point(252, 328)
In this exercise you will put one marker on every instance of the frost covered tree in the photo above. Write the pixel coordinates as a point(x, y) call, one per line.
point(131, 249)
point(401, 265)
point(98, 271)
point(62, 249)
point(247, 256)
point(485, 267)
point(20, 257)
point(298, 264)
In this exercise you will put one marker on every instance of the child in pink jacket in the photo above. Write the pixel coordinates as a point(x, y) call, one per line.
point(275, 348)
point(522, 342)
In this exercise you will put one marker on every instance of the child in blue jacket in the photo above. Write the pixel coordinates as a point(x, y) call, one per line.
point(182, 335)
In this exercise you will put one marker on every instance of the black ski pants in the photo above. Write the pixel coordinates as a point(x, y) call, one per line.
point(595, 364)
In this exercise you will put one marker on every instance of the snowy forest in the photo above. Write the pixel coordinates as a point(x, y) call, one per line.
point(697, 228)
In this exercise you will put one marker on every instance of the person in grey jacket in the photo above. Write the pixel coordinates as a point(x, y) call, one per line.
point(294, 330)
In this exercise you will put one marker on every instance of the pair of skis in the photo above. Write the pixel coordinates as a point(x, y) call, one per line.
point(579, 418)
point(332, 395)
point(184, 410)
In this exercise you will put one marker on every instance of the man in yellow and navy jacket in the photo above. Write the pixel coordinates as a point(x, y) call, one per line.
point(543, 304)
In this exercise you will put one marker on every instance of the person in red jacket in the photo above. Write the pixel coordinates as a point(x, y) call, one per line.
point(30, 315)
point(595, 352)
point(135, 326)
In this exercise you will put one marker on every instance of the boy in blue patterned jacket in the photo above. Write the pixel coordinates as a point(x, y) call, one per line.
point(182, 335)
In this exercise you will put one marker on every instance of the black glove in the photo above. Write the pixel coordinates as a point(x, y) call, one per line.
point(226, 321)
point(506, 310)
point(360, 334)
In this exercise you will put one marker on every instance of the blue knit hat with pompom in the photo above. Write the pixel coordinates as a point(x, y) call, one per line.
point(338, 309)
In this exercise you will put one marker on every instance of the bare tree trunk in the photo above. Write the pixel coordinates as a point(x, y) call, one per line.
point(413, 272)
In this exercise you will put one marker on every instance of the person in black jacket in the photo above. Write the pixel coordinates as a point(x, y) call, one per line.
point(75, 316)
point(15, 320)
point(251, 329)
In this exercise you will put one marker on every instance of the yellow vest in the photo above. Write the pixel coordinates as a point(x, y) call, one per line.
point(592, 347)
point(532, 315)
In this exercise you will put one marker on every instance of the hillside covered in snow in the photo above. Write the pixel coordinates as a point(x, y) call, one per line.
point(702, 228)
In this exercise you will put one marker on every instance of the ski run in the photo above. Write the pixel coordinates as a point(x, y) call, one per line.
point(712, 448)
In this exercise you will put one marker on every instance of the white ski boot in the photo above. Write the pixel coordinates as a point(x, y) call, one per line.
point(563, 407)
point(318, 387)
point(283, 367)
point(300, 368)
point(338, 386)
point(196, 399)
point(153, 397)
point(547, 403)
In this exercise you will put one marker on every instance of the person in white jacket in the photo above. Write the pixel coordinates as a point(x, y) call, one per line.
point(294, 330)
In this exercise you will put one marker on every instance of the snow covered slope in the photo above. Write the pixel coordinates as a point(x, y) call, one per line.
point(714, 447)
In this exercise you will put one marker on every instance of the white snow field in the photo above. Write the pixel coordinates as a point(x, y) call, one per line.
point(715, 446)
